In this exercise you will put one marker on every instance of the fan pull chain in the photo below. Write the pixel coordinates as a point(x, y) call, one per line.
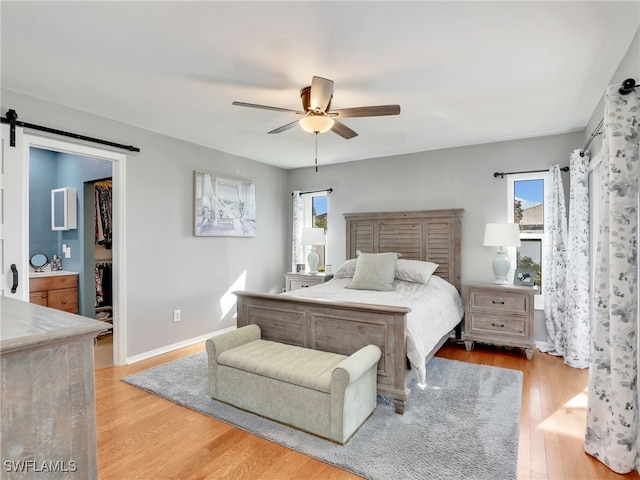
point(316, 161)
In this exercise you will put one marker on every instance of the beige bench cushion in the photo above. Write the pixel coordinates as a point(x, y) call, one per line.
point(287, 363)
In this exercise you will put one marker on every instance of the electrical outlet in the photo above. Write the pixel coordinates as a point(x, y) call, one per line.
point(176, 315)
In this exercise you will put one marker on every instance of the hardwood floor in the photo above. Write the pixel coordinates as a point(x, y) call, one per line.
point(141, 436)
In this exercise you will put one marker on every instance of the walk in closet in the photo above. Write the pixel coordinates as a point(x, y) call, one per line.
point(103, 250)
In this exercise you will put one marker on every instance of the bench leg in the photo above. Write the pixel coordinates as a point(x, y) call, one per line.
point(399, 406)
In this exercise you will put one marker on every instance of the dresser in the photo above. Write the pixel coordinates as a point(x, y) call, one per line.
point(294, 281)
point(48, 417)
point(499, 315)
point(57, 290)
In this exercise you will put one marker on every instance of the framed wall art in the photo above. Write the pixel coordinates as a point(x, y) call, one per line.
point(223, 207)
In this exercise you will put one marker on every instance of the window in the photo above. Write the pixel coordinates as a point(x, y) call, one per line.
point(526, 208)
point(315, 215)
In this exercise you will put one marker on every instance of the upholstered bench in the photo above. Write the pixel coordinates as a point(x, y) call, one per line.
point(326, 394)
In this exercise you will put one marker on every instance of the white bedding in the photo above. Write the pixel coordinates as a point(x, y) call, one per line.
point(436, 308)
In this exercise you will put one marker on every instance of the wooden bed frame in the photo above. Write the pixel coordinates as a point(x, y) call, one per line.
point(344, 327)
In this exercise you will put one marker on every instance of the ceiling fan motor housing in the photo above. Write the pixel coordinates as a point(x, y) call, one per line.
point(305, 96)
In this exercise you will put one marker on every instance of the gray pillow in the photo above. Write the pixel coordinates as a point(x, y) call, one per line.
point(415, 270)
point(374, 271)
point(346, 270)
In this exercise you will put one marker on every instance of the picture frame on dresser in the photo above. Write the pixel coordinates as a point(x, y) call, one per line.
point(524, 277)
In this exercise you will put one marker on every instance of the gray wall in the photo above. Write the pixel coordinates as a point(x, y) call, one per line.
point(167, 267)
point(450, 178)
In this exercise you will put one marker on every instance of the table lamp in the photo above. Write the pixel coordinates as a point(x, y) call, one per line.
point(313, 237)
point(501, 235)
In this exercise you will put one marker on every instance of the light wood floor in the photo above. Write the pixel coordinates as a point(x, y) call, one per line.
point(141, 436)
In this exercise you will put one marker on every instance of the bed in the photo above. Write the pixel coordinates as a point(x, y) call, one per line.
point(332, 318)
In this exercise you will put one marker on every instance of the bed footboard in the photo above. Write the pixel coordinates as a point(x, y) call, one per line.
point(339, 327)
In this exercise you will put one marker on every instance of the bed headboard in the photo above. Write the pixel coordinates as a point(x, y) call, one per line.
point(428, 235)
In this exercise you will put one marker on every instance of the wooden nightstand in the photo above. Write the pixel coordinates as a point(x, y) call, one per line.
point(294, 281)
point(499, 315)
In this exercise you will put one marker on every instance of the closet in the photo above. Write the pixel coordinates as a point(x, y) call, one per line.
point(103, 250)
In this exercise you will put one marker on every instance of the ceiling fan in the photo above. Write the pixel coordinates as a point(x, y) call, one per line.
point(317, 117)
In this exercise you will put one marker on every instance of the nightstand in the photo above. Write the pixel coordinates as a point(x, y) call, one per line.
point(499, 315)
point(294, 281)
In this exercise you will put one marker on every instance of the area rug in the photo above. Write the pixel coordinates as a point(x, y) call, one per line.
point(463, 424)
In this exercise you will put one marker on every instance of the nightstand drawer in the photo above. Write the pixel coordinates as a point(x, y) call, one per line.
point(296, 280)
point(296, 284)
point(499, 302)
point(504, 325)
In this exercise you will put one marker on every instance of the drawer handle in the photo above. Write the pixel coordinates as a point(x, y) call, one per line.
point(501, 325)
point(64, 302)
point(497, 302)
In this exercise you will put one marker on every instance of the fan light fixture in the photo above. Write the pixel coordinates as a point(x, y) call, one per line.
point(316, 123)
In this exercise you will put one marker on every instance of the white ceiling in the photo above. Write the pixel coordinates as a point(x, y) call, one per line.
point(463, 72)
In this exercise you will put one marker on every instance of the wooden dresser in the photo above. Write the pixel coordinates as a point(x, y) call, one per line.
point(499, 315)
point(57, 290)
point(48, 416)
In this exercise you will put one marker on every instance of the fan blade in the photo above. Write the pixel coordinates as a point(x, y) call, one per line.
point(284, 127)
point(342, 130)
point(374, 111)
point(266, 107)
point(321, 93)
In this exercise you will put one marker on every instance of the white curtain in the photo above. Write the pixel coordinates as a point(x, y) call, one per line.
point(612, 413)
point(297, 254)
point(553, 281)
point(578, 292)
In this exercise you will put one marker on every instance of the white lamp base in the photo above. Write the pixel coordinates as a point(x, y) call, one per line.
point(501, 267)
point(312, 259)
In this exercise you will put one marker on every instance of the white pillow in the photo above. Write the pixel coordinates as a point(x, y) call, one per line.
point(346, 270)
point(374, 271)
point(415, 271)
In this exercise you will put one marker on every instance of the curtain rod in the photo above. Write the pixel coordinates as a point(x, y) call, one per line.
point(12, 120)
point(594, 134)
point(502, 174)
point(328, 190)
point(625, 89)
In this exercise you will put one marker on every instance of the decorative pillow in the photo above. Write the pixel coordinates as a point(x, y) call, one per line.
point(374, 271)
point(415, 271)
point(346, 270)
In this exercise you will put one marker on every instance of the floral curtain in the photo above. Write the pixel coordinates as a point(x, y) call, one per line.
point(297, 255)
point(612, 410)
point(578, 292)
point(553, 282)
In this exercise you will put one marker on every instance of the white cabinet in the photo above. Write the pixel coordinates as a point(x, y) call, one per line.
point(64, 210)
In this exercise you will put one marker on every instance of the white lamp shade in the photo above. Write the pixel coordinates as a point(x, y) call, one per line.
point(316, 123)
point(502, 235)
point(313, 236)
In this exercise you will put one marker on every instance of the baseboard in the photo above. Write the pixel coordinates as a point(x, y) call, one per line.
point(175, 346)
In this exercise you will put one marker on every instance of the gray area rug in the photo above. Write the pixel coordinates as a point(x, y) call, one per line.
point(463, 425)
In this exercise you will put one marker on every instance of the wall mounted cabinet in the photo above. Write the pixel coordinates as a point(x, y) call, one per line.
point(64, 213)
